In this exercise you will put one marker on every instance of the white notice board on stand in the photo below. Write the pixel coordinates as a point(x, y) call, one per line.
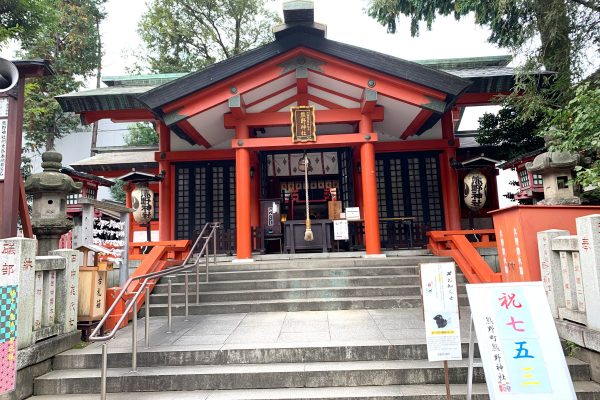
point(520, 350)
point(440, 308)
point(340, 229)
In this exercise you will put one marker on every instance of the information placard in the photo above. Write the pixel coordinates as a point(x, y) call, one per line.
point(340, 229)
point(440, 308)
point(520, 349)
point(352, 213)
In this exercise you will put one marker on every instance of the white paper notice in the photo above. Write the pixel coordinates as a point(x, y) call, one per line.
point(440, 305)
point(340, 229)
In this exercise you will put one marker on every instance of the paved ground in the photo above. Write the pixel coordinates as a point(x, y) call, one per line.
point(277, 329)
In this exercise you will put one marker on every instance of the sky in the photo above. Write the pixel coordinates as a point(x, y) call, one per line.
point(346, 22)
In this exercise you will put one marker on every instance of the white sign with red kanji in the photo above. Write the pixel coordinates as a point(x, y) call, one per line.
point(520, 349)
point(440, 308)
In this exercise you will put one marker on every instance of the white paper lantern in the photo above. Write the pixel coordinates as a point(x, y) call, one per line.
point(475, 194)
point(142, 202)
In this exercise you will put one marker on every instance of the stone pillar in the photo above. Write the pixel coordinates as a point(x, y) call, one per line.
point(17, 267)
point(67, 290)
point(588, 233)
point(550, 269)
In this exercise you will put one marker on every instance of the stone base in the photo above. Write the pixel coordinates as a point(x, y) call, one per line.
point(572, 315)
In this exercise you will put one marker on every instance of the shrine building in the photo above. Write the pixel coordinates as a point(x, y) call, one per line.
point(385, 143)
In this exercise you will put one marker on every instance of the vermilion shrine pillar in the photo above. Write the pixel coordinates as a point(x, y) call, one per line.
point(449, 177)
point(164, 187)
point(369, 189)
point(243, 194)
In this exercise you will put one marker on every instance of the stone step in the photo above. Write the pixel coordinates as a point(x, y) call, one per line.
point(201, 355)
point(284, 283)
point(324, 304)
point(333, 261)
point(294, 273)
point(267, 376)
point(301, 293)
point(584, 390)
point(291, 293)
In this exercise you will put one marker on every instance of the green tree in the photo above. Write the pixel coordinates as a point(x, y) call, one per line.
point(188, 35)
point(69, 40)
point(21, 18)
point(141, 134)
point(576, 128)
point(566, 29)
point(510, 136)
point(117, 192)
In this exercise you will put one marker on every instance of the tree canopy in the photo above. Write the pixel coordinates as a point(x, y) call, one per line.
point(141, 134)
point(20, 19)
point(187, 35)
point(69, 40)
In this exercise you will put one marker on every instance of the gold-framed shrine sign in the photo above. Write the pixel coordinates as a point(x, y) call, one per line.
point(304, 127)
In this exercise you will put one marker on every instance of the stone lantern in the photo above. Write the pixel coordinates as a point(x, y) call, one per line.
point(50, 189)
point(556, 169)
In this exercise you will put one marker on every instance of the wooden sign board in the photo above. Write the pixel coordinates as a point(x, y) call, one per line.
point(520, 349)
point(304, 128)
point(440, 309)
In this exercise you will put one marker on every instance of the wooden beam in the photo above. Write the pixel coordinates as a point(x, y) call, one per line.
point(346, 115)
point(138, 115)
point(325, 103)
point(24, 210)
point(193, 134)
point(281, 104)
point(415, 145)
point(197, 155)
point(416, 124)
point(323, 140)
point(237, 107)
point(273, 94)
point(302, 80)
point(368, 101)
point(331, 91)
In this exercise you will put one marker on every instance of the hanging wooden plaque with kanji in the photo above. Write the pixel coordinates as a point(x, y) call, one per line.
point(304, 128)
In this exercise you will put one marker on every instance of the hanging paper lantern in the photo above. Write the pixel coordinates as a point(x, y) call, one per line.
point(475, 190)
point(142, 202)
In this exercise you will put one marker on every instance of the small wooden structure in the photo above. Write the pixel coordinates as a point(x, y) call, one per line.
point(92, 284)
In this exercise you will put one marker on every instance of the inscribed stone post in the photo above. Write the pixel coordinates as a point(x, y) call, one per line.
point(550, 269)
point(588, 232)
point(67, 290)
point(17, 257)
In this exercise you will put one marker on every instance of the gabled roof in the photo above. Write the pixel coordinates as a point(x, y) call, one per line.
point(410, 71)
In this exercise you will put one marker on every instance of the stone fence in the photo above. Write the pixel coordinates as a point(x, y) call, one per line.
point(38, 309)
point(570, 267)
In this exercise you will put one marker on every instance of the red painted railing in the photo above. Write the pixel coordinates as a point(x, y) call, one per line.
point(456, 244)
point(162, 256)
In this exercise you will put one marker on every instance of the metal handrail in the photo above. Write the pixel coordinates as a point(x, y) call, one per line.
point(132, 303)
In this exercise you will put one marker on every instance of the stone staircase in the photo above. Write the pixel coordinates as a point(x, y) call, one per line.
point(313, 329)
point(300, 285)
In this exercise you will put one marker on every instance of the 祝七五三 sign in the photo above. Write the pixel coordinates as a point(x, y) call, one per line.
point(520, 350)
